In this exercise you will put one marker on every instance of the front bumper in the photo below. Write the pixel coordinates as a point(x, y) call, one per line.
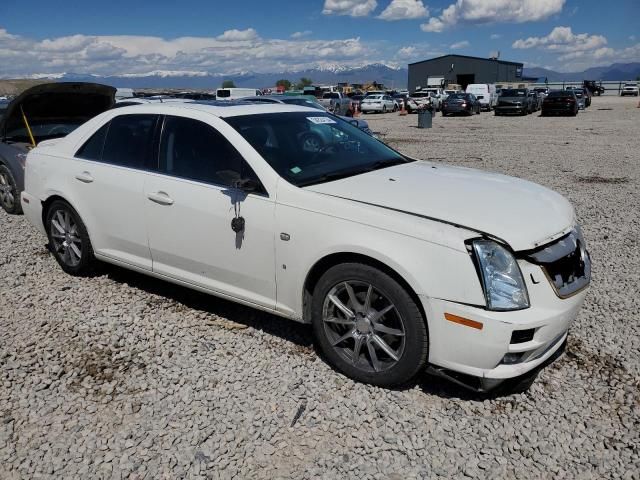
point(481, 352)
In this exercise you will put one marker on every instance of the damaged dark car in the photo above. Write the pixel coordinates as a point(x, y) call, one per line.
point(43, 112)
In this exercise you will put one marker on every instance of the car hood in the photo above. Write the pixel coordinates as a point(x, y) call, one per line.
point(63, 102)
point(521, 213)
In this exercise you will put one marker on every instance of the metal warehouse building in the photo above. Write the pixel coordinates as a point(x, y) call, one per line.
point(463, 70)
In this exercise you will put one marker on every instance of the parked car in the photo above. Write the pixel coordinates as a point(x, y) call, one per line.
point(4, 103)
point(356, 101)
point(595, 89)
point(336, 102)
point(378, 103)
point(43, 112)
point(308, 101)
point(460, 103)
point(513, 101)
point(629, 89)
point(535, 101)
point(401, 99)
point(560, 102)
point(354, 239)
point(236, 93)
point(485, 93)
point(582, 103)
point(542, 91)
point(419, 101)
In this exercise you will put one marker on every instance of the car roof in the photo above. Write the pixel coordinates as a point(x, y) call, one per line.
point(222, 109)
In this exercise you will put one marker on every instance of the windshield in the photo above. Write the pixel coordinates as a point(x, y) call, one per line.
point(306, 148)
point(330, 95)
point(223, 93)
point(512, 92)
point(373, 97)
point(420, 95)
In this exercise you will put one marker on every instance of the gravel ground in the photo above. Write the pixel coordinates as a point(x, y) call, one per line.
point(122, 376)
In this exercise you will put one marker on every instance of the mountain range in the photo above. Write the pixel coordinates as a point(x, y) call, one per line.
point(390, 76)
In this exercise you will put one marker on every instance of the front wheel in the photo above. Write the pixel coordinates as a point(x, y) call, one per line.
point(68, 239)
point(9, 194)
point(367, 325)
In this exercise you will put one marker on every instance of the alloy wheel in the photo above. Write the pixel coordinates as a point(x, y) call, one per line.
point(6, 192)
point(363, 326)
point(66, 241)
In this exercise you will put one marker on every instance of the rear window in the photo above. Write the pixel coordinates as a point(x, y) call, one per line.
point(330, 95)
point(92, 149)
point(223, 93)
point(560, 94)
point(512, 92)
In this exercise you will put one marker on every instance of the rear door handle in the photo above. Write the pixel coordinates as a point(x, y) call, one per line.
point(161, 198)
point(84, 177)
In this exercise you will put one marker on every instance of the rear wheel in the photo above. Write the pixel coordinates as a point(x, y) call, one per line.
point(68, 239)
point(367, 325)
point(9, 194)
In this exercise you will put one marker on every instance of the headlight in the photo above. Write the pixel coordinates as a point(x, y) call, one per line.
point(504, 287)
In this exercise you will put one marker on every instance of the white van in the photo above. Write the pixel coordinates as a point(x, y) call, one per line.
point(485, 93)
point(236, 93)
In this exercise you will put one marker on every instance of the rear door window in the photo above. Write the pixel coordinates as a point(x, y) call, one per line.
point(129, 141)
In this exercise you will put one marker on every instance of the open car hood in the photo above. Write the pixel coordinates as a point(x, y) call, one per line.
point(55, 103)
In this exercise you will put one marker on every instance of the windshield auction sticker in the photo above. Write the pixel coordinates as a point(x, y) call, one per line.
point(321, 120)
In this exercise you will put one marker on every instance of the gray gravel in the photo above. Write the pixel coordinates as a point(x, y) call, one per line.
point(122, 376)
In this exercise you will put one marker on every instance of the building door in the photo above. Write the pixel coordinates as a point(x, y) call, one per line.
point(465, 79)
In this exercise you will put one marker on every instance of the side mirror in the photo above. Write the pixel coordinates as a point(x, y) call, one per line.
point(247, 185)
point(354, 122)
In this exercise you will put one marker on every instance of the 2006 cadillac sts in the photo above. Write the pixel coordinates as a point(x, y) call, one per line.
point(396, 263)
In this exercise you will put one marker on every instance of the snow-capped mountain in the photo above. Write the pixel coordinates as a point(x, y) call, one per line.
point(326, 74)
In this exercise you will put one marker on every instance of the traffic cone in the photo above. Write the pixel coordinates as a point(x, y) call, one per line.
point(403, 111)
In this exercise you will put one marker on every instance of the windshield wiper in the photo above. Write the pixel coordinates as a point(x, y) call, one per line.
point(329, 177)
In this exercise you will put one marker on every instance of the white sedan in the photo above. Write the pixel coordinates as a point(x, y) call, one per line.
point(396, 263)
point(378, 103)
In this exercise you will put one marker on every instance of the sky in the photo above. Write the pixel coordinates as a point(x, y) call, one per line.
point(212, 36)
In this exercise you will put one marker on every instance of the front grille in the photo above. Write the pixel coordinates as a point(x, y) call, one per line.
point(566, 263)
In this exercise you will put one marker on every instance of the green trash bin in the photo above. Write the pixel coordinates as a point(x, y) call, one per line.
point(425, 118)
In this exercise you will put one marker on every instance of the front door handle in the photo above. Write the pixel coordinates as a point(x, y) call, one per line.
point(160, 197)
point(84, 177)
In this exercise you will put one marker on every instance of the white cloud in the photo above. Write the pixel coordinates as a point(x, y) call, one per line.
point(232, 51)
point(404, 10)
point(493, 11)
point(458, 45)
point(238, 35)
point(562, 39)
point(304, 33)
point(353, 8)
point(495, 36)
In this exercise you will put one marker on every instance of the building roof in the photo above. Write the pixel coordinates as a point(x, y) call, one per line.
point(469, 57)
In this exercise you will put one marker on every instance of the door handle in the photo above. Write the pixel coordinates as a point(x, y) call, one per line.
point(84, 177)
point(161, 198)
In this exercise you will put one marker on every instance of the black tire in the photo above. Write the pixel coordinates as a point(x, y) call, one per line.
point(9, 193)
point(70, 262)
point(415, 341)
